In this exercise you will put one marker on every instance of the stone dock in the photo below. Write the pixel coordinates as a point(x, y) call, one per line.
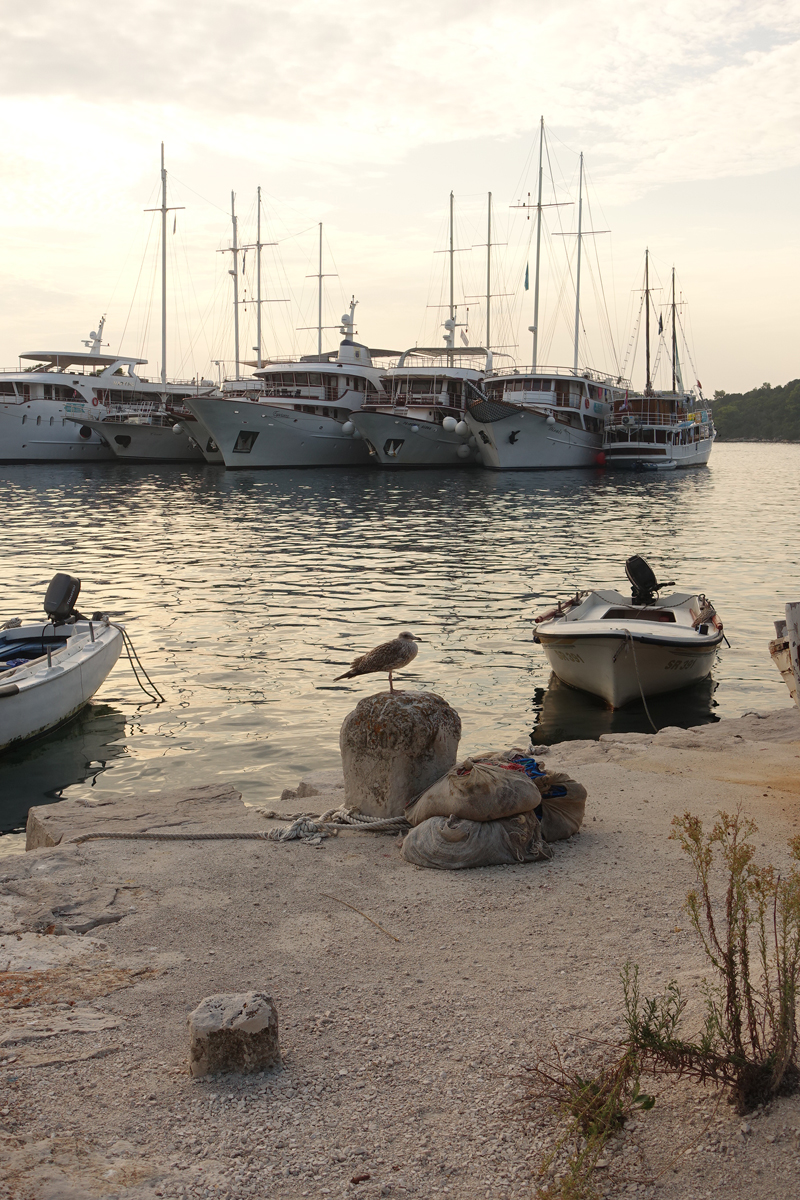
point(404, 1036)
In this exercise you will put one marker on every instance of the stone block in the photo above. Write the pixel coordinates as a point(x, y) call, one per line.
point(233, 1033)
point(395, 745)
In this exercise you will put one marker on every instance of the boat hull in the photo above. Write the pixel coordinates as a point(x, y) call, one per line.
point(147, 443)
point(400, 441)
point(522, 440)
point(658, 458)
point(49, 432)
point(608, 666)
point(49, 696)
point(257, 435)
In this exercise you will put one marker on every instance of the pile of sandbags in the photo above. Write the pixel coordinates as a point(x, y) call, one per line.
point(491, 810)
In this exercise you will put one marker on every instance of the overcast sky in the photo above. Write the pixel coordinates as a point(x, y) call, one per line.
point(365, 117)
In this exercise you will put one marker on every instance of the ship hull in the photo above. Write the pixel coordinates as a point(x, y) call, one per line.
point(46, 431)
point(400, 441)
point(522, 440)
point(259, 436)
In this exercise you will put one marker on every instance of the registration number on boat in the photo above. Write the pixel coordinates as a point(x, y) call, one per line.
point(569, 655)
point(679, 664)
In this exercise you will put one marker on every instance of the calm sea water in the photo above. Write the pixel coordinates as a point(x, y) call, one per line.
point(246, 593)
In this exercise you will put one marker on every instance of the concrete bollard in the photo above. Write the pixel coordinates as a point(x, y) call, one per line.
point(394, 745)
point(233, 1033)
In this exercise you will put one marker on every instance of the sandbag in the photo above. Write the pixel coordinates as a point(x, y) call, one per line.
point(563, 805)
point(476, 790)
point(451, 844)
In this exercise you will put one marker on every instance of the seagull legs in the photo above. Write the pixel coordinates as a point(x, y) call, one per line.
point(391, 689)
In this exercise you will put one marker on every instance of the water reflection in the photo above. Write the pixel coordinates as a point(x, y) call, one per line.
point(247, 592)
point(564, 714)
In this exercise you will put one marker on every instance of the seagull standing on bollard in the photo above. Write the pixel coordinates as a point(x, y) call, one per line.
point(389, 656)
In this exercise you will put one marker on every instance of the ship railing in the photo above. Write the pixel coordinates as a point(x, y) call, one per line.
point(627, 419)
point(600, 377)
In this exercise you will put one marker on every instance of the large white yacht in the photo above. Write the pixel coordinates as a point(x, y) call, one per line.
point(539, 419)
point(420, 420)
point(39, 404)
point(297, 413)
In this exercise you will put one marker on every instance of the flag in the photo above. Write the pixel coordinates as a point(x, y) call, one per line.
point(464, 338)
point(526, 277)
point(660, 324)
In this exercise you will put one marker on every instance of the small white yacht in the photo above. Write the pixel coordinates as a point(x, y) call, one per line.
point(157, 432)
point(623, 649)
point(420, 421)
point(296, 413)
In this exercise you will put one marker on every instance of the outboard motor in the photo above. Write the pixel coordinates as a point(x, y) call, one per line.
point(59, 600)
point(644, 584)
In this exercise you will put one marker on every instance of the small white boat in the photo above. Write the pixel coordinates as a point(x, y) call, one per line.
point(624, 650)
point(50, 670)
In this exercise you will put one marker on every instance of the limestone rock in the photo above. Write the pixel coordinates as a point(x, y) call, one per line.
point(395, 745)
point(234, 1033)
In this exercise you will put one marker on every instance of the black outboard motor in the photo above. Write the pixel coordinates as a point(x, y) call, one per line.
point(644, 584)
point(59, 600)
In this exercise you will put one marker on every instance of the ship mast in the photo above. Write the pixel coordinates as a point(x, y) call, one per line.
point(489, 276)
point(648, 387)
point(674, 334)
point(578, 273)
point(538, 250)
point(163, 209)
point(235, 274)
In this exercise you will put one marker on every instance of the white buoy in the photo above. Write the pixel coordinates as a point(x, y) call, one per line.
point(356, 436)
point(463, 452)
point(348, 427)
point(450, 424)
point(462, 428)
point(472, 442)
point(551, 420)
point(177, 429)
point(415, 428)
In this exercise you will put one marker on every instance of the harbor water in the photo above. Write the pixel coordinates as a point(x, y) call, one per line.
point(245, 593)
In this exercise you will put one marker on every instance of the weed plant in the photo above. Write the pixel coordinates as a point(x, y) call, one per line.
point(750, 932)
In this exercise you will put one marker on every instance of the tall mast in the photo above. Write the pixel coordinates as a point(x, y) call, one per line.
point(163, 269)
point(674, 333)
point(538, 251)
point(319, 303)
point(489, 276)
point(578, 273)
point(235, 274)
point(648, 387)
point(258, 279)
point(452, 279)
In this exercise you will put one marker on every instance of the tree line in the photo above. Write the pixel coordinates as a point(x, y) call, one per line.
point(765, 414)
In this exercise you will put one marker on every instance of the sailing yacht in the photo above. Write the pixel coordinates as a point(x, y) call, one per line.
point(543, 418)
point(660, 430)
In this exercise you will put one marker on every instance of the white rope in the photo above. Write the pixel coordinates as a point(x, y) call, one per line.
point(328, 824)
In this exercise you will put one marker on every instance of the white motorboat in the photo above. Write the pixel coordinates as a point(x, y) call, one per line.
point(420, 422)
point(50, 670)
point(623, 650)
point(156, 435)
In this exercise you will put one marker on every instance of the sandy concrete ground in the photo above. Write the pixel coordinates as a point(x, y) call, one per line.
point(404, 1059)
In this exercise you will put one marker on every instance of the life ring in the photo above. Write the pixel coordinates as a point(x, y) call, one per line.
point(95, 401)
point(586, 402)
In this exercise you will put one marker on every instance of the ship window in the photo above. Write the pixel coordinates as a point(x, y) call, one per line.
point(661, 435)
point(7, 389)
point(39, 420)
point(244, 442)
point(314, 379)
point(307, 408)
point(24, 418)
point(51, 420)
point(301, 379)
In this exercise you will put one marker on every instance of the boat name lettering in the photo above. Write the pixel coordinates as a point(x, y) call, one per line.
point(568, 655)
point(677, 664)
point(76, 408)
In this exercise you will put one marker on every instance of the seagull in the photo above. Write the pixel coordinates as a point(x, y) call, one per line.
point(389, 656)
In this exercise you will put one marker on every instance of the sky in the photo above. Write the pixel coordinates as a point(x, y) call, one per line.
point(364, 118)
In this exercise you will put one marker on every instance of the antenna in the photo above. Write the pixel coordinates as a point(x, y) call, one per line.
point(162, 208)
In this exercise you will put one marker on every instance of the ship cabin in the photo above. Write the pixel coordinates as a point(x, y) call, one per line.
point(660, 418)
point(430, 384)
point(580, 400)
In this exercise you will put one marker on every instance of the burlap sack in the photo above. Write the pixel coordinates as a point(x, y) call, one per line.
point(486, 792)
point(450, 844)
point(563, 805)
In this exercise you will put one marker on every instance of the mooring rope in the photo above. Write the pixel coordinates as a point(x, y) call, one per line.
point(303, 828)
point(629, 635)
